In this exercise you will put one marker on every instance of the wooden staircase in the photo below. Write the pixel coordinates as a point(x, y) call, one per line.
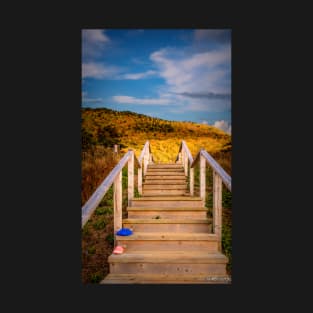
point(172, 240)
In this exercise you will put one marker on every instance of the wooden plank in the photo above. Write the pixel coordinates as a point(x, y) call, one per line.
point(139, 178)
point(186, 164)
point(168, 236)
point(117, 203)
point(169, 198)
point(215, 166)
point(166, 279)
point(170, 257)
point(191, 181)
point(167, 209)
point(92, 203)
point(130, 177)
point(185, 147)
point(166, 221)
point(202, 178)
point(217, 207)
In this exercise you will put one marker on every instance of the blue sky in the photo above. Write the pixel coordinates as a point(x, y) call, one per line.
point(173, 74)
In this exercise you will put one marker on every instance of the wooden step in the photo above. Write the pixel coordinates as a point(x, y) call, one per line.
point(165, 279)
point(153, 212)
point(161, 173)
point(164, 166)
point(165, 177)
point(178, 262)
point(155, 241)
point(165, 192)
point(161, 186)
point(165, 182)
point(165, 170)
point(167, 201)
point(168, 225)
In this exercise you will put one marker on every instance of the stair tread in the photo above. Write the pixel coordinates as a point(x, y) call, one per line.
point(165, 278)
point(166, 209)
point(166, 182)
point(168, 236)
point(168, 198)
point(169, 257)
point(165, 221)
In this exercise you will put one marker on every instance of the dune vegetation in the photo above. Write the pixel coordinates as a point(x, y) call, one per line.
point(101, 129)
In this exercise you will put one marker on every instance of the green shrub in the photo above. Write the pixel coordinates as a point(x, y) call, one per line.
point(110, 239)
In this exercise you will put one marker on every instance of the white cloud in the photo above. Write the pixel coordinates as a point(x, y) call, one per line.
point(147, 101)
point(135, 76)
point(223, 125)
point(93, 42)
point(90, 100)
point(98, 70)
point(198, 73)
point(93, 100)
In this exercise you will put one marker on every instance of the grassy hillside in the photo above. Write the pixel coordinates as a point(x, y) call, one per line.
point(101, 129)
point(131, 130)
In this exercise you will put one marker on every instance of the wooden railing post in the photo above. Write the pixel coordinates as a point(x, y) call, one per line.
point(202, 178)
point(183, 159)
point(117, 203)
point(217, 208)
point(140, 180)
point(131, 178)
point(191, 181)
point(145, 161)
point(186, 164)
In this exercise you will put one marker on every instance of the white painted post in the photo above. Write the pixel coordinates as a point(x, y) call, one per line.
point(191, 181)
point(217, 208)
point(186, 164)
point(202, 178)
point(145, 161)
point(183, 159)
point(117, 196)
point(140, 180)
point(131, 178)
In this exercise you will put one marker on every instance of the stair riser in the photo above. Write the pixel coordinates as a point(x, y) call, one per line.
point(165, 182)
point(165, 170)
point(169, 228)
point(167, 203)
point(165, 175)
point(163, 187)
point(167, 214)
point(164, 192)
point(168, 268)
point(163, 166)
point(169, 245)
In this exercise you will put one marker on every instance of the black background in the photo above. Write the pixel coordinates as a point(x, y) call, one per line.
point(41, 156)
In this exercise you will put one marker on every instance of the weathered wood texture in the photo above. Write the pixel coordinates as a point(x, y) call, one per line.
point(130, 177)
point(217, 206)
point(202, 178)
point(139, 178)
point(191, 181)
point(97, 196)
point(117, 203)
point(215, 166)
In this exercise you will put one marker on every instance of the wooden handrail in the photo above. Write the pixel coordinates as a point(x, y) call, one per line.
point(185, 147)
point(219, 177)
point(115, 177)
point(215, 166)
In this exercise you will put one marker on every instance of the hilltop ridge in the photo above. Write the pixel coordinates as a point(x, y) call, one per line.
point(130, 130)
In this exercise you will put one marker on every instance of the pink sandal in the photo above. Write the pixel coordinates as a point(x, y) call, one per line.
point(118, 250)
